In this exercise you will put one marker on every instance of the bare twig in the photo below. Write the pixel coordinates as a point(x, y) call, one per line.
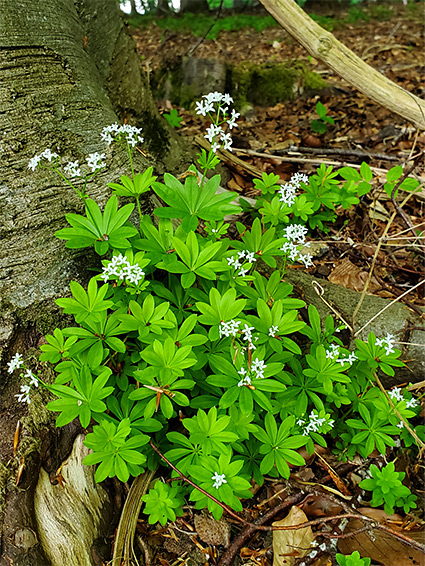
point(375, 256)
point(406, 425)
point(291, 159)
point(398, 208)
point(249, 530)
point(320, 291)
point(336, 151)
point(389, 304)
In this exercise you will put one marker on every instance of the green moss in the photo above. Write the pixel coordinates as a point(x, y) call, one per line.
point(270, 83)
point(313, 81)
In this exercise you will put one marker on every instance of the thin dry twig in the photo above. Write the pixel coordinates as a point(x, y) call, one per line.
point(398, 208)
point(305, 160)
point(389, 304)
point(418, 441)
point(320, 291)
point(375, 256)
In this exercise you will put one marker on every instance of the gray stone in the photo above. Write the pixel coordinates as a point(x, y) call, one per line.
point(397, 319)
point(202, 76)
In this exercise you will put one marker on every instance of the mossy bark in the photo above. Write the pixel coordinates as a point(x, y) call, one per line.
point(68, 69)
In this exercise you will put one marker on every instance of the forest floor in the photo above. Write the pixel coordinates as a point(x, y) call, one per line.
point(363, 131)
point(393, 43)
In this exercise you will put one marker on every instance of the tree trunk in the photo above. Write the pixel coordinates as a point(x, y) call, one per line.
point(68, 69)
point(193, 6)
point(325, 47)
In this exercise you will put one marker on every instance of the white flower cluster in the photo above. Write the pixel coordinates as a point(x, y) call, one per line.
point(288, 191)
point(247, 336)
point(217, 102)
point(15, 363)
point(273, 330)
point(119, 267)
point(246, 380)
point(258, 367)
point(72, 169)
point(215, 133)
point(295, 234)
point(387, 342)
point(256, 372)
point(219, 479)
point(239, 261)
point(23, 396)
point(95, 161)
point(315, 423)
point(333, 353)
point(397, 394)
point(46, 154)
point(115, 131)
point(230, 328)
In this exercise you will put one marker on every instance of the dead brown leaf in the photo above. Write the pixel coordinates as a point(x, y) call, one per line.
point(384, 548)
point(290, 545)
point(352, 277)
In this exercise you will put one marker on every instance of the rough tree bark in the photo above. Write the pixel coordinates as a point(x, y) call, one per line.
point(68, 68)
point(325, 47)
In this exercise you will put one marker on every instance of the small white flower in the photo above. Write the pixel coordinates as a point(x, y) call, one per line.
point(212, 132)
point(119, 267)
point(295, 233)
point(306, 259)
point(250, 256)
point(72, 169)
point(400, 425)
point(227, 99)
point(31, 376)
point(298, 178)
point(215, 146)
point(49, 155)
point(232, 121)
point(15, 363)
point(287, 194)
point(94, 161)
point(411, 403)
point(245, 381)
point(116, 132)
point(213, 97)
point(333, 352)
point(227, 141)
point(273, 330)
point(258, 367)
point(219, 480)
point(243, 271)
point(396, 393)
point(33, 162)
point(387, 342)
point(230, 328)
point(200, 108)
point(247, 332)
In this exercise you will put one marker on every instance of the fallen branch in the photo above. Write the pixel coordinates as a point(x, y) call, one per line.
point(336, 151)
point(326, 48)
point(318, 160)
point(249, 530)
